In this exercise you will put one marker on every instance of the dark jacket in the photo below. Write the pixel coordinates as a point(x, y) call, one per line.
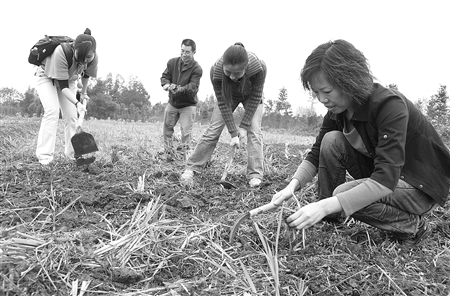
point(400, 140)
point(188, 76)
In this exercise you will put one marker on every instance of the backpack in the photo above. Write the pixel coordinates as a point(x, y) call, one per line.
point(46, 46)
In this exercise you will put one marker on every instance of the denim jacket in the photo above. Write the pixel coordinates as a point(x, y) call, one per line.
point(400, 140)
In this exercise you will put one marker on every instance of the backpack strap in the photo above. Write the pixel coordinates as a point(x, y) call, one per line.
point(68, 52)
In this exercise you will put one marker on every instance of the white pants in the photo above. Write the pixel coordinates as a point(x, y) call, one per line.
point(53, 100)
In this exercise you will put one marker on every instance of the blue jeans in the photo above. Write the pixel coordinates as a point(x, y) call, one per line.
point(186, 116)
point(399, 212)
point(208, 142)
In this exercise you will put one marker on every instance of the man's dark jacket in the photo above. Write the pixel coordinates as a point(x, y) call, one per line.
point(187, 76)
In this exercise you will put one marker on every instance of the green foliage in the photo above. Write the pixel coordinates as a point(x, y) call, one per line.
point(393, 86)
point(282, 105)
point(205, 109)
point(9, 101)
point(269, 106)
point(437, 111)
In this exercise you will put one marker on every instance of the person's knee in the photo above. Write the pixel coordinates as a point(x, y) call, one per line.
point(52, 113)
point(347, 186)
point(331, 138)
point(342, 188)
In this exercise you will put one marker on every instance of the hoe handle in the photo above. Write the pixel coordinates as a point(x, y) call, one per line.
point(264, 208)
point(228, 164)
point(82, 113)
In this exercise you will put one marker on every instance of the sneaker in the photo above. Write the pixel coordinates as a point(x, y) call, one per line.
point(254, 182)
point(45, 162)
point(187, 175)
point(423, 232)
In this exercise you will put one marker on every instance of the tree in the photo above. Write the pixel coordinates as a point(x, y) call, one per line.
point(206, 108)
point(393, 86)
point(421, 104)
point(158, 111)
point(102, 106)
point(437, 109)
point(269, 106)
point(135, 94)
point(9, 101)
point(10, 95)
point(282, 105)
point(30, 104)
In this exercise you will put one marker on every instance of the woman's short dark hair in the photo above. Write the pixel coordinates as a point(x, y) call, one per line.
point(189, 42)
point(85, 43)
point(343, 66)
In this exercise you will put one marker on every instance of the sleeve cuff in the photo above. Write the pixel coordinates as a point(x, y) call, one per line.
point(305, 172)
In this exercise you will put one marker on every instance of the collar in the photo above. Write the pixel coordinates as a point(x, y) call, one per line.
point(362, 111)
point(182, 65)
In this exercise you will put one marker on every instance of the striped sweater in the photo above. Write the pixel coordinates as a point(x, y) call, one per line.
point(251, 98)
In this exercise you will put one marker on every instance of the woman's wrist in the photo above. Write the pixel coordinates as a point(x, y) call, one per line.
point(331, 205)
point(294, 185)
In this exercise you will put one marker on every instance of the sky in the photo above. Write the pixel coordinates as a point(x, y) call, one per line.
point(407, 42)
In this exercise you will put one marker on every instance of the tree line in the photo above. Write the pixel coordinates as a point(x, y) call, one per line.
point(113, 98)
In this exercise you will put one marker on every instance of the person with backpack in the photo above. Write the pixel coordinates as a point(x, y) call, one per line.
point(56, 85)
point(181, 79)
point(399, 164)
point(238, 77)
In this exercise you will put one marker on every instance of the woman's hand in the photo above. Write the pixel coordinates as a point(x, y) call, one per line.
point(314, 212)
point(166, 86)
point(283, 195)
point(81, 107)
point(84, 96)
point(242, 133)
point(173, 88)
point(234, 141)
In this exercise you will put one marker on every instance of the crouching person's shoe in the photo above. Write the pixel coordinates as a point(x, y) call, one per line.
point(415, 240)
point(423, 233)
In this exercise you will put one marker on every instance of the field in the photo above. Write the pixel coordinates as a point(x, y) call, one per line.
point(125, 225)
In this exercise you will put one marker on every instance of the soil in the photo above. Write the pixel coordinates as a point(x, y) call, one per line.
point(97, 199)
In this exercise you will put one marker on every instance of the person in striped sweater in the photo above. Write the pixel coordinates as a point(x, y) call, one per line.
point(238, 78)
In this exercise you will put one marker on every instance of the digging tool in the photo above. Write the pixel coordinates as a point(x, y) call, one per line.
point(264, 208)
point(226, 184)
point(82, 142)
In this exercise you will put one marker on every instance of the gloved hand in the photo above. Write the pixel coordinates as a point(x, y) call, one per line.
point(242, 133)
point(84, 97)
point(283, 195)
point(166, 86)
point(179, 89)
point(173, 87)
point(81, 108)
point(234, 141)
